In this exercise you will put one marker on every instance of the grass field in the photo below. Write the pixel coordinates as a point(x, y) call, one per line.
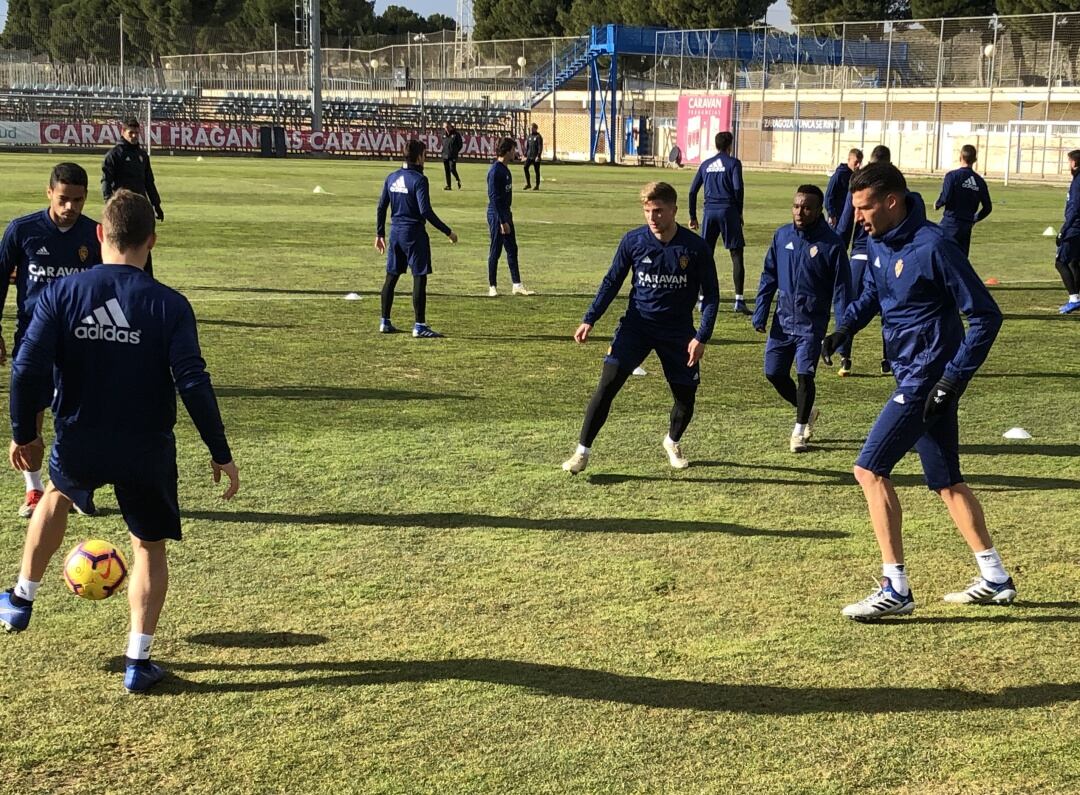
point(409, 595)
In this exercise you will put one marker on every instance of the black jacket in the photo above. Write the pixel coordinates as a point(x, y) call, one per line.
point(451, 145)
point(128, 166)
point(534, 146)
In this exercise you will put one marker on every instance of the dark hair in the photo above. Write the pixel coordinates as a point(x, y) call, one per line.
point(131, 123)
point(858, 154)
point(506, 146)
point(414, 147)
point(881, 154)
point(1074, 155)
point(724, 140)
point(659, 192)
point(127, 220)
point(68, 174)
point(880, 178)
point(968, 154)
point(535, 126)
point(811, 190)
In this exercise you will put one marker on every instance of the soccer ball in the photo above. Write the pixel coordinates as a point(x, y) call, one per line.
point(95, 570)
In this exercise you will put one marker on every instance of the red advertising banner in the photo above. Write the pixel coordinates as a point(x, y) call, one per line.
point(700, 118)
point(245, 138)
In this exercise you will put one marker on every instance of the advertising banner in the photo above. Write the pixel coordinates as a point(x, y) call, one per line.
point(245, 138)
point(788, 124)
point(700, 119)
point(20, 133)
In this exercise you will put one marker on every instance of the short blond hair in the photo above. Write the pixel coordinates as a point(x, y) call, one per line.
point(659, 192)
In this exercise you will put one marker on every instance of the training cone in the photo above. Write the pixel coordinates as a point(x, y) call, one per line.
point(1049, 232)
point(199, 159)
point(639, 371)
point(1016, 433)
point(992, 281)
point(352, 296)
point(318, 189)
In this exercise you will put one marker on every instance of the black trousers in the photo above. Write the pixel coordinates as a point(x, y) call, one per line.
point(450, 167)
point(535, 163)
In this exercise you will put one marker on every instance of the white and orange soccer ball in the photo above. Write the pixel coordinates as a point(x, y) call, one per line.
point(95, 570)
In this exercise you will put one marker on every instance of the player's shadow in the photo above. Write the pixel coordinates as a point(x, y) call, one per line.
point(835, 477)
point(460, 521)
point(1022, 448)
point(257, 640)
point(587, 684)
point(1052, 316)
point(529, 337)
point(241, 323)
point(1029, 375)
point(333, 393)
point(281, 290)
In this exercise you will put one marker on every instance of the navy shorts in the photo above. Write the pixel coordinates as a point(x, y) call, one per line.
point(959, 233)
point(1068, 252)
point(48, 389)
point(782, 349)
point(145, 486)
point(408, 253)
point(723, 223)
point(632, 344)
point(900, 427)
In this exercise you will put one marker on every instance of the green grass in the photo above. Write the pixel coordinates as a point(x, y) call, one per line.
point(409, 595)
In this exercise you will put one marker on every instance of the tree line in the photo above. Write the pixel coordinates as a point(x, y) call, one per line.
point(90, 28)
point(508, 19)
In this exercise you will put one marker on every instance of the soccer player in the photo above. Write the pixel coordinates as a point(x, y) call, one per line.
point(837, 196)
point(407, 194)
point(668, 266)
point(806, 268)
point(534, 151)
point(962, 193)
point(1067, 261)
point(127, 165)
point(36, 250)
point(451, 148)
point(123, 345)
point(721, 176)
point(500, 218)
point(921, 283)
point(879, 154)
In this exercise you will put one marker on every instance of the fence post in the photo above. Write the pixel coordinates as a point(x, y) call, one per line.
point(554, 104)
point(843, 82)
point(1049, 93)
point(795, 135)
point(888, 87)
point(764, 82)
point(936, 162)
point(655, 70)
point(123, 83)
point(990, 93)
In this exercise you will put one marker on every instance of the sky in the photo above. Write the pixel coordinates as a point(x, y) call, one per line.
point(778, 15)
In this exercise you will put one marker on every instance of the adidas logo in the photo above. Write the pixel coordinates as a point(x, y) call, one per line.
point(399, 186)
point(899, 399)
point(716, 168)
point(877, 262)
point(108, 323)
point(42, 251)
point(647, 261)
point(970, 184)
point(790, 246)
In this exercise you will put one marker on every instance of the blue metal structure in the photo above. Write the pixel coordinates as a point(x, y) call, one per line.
point(744, 46)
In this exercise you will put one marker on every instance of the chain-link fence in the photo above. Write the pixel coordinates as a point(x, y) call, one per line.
point(921, 87)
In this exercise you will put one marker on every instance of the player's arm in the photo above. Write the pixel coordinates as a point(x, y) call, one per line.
point(380, 217)
point(423, 201)
point(831, 199)
point(31, 373)
point(196, 391)
point(10, 254)
point(946, 192)
point(841, 281)
point(496, 191)
point(859, 312)
point(1072, 208)
point(737, 186)
point(984, 200)
point(766, 289)
point(710, 297)
point(108, 174)
point(954, 271)
point(152, 191)
point(695, 186)
point(611, 284)
point(539, 147)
